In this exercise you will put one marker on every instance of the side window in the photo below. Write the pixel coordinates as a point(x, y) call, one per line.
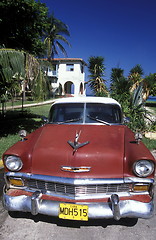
point(70, 67)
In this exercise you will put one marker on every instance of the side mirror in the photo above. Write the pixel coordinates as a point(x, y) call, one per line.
point(126, 119)
point(23, 134)
point(44, 119)
point(138, 137)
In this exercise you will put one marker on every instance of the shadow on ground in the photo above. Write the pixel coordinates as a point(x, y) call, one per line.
point(1, 181)
point(14, 121)
point(129, 222)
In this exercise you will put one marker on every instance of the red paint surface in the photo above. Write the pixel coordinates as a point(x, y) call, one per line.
point(104, 153)
point(110, 153)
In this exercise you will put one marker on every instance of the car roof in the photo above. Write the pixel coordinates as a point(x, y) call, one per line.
point(105, 100)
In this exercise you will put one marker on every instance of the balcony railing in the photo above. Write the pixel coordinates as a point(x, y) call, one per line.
point(52, 73)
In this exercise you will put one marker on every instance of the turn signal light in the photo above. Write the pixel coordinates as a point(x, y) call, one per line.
point(140, 188)
point(16, 182)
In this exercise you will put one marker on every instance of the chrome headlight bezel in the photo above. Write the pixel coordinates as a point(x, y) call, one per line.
point(143, 168)
point(13, 163)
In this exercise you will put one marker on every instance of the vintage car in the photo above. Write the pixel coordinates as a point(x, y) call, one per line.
point(82, 164)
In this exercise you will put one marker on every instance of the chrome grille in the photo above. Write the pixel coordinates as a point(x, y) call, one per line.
point(76, 190)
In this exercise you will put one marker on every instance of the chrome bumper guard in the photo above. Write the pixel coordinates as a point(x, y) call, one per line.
point(114, 209)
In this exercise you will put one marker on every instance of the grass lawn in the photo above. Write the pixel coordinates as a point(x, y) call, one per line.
point(150, 143)
point(15, 121)
point(40, 110)
point(30, 120)
point(19, 102)
point(6, 142)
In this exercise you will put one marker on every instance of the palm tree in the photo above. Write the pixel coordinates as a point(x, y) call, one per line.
point(119, 88)
point(96, 81)
point(132, 92)
point(137, 69)
point(53, 35)
point(135, 77)
point(19, 70)
point(119, 85)
point(138, 81)
point(149, 85)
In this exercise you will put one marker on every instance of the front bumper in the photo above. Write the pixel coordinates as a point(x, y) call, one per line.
point(114, 209)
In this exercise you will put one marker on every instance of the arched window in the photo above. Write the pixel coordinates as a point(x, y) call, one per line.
point(69, 87)
point(81, 88)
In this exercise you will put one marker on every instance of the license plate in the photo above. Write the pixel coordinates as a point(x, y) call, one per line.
point(73, 212)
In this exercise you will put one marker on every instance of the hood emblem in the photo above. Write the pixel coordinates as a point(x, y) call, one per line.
point(75, 169)
point(76, 145)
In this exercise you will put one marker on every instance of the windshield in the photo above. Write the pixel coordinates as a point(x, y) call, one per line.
point(73, 113)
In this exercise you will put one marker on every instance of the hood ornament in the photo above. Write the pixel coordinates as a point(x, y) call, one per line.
point(76, 145)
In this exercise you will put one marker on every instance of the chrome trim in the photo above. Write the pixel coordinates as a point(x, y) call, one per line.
point(85, 197)
point(70, 196)
point(127, 208)
point(71, 191)
point(75, 181)
point(115, 206)
point(62, 189)
point(6, 156)
point(35, 202)
point(80, 181)
point(138, 180)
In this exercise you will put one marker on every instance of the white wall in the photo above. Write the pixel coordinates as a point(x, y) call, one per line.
point(75, 76)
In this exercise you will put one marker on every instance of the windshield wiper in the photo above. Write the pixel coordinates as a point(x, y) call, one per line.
point(70, 120)
point(98, 120)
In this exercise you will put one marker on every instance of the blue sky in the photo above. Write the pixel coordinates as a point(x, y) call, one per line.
point(122, 31)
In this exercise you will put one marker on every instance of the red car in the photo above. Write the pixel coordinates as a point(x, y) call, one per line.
point(83, 163)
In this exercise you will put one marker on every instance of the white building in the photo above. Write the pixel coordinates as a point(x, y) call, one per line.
point(67, 76)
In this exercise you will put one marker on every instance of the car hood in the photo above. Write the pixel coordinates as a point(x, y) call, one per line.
point(79, 151)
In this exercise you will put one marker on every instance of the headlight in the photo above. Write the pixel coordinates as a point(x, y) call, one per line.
point(143, 168)
point(13, 163)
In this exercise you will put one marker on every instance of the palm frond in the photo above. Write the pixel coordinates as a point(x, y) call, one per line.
point(11, 62)
point(61, 48)
point(57, 30)
point(137, 96)
point(16, 67)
